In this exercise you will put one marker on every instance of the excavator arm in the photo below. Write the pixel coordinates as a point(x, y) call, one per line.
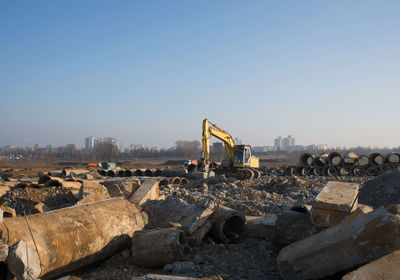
point(210, 129)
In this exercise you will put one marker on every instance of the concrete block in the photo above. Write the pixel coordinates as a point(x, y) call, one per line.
point(334, 203)
point(261, 227)
point(148, 190)
point(351, 243)
point(23, 262)
point(97, 194)
point(292, 226)
point(386, 267)
point(192, 218)
point(158, 247)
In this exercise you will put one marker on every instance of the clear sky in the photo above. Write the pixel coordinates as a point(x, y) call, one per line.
point(149, 72)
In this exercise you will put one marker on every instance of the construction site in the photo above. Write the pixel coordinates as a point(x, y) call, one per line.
point(199, 140)
point(331, 216)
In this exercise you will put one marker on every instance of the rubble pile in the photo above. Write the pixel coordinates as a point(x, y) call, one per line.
point(382, 190)
point(78, 224)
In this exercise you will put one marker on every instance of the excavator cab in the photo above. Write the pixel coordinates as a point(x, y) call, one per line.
point(242, 156)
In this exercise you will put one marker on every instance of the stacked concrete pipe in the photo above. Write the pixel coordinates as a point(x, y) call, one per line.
point(351, 164)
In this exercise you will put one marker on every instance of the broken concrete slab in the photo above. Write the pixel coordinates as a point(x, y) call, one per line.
point(386, 267)
point(158, 247)
point(24, 262)
point(334, 203)
point(97, 194)
point(40, 207)
point(73, 237)
point(148, 190)
point(127, 186)
point(175, 211)
point(361, 210)
point(261, 227)
point(351, 243)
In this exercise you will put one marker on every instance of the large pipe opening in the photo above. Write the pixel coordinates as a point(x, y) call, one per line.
point(307, 159)
point(233, 228)
point(376, 159)
point(335, 158)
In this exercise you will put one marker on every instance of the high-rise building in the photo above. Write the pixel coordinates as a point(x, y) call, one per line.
point(284, 144)
point(278, 143)
point(90, 143)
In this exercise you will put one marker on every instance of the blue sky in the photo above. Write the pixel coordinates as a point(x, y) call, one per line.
point(149, 72)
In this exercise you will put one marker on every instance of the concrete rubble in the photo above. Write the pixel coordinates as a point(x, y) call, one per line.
point(334, 203)
point(360, 240)
point(149, 223)
point(386, 267)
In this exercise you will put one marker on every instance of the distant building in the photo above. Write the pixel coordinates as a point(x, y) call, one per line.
point(284, 144)
point(89, 143)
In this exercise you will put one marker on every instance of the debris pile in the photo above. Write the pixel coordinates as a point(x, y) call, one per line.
point(82, 224)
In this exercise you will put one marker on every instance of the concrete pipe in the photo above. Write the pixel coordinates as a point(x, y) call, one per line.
point(358, 171)
point(138, 172)
point(163, 182)
point(120, 173)
point(229, 225)
point(148, 173)
point(290, 170)
point(175, 181)
point(257, 174)
point(128, 173)
point(157, 172)
point(330, 170)
point(373, 170)
point(158, 247)
point(102, 172)
point(45, 178)
point(69, 238)
point(350, 158)
point(392, 158)
point(390, 166)
point(192, 167)
point(300, 171)
point(317, 171)
point(344, 171)
point(184, 181)
point(307, 159)
point(363, 161)
point(110, 173)
point(335, 159)
point(376, 159)
point(322, 159)
point(73, 172)
point(308, 170)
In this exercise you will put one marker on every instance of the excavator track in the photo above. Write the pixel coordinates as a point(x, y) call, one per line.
point(238, 173)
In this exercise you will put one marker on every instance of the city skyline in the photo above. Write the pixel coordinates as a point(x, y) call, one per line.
point(150, 72)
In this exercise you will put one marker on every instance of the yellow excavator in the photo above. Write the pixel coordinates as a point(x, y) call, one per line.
point(240, 163)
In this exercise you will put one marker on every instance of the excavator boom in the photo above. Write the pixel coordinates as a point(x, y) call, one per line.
point(210, 129)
